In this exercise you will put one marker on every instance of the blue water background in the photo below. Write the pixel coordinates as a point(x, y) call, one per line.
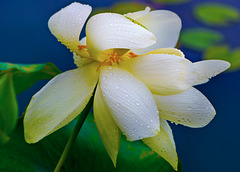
point(25, 38)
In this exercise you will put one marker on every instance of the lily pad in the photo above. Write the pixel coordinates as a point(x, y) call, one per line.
point(170, 1)
point(122, 8)
point(88, 153)
point(14, 79)
point(199, 38)
point(216, 14)
point(224, 53)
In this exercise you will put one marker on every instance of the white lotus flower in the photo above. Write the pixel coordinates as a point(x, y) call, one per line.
point(141, 82)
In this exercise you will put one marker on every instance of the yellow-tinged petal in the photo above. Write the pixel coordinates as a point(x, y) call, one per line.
point(107, 128)
point(170, 51)
point(163, 144)
point(138, 14)
point(130, 103)
point(164, 24)
point(163, 74)
point(59, 102)
point(109, 30)
point(67, 24)
point(190, 108)
point(85, 57)
point(207, 69)
point(80, 61)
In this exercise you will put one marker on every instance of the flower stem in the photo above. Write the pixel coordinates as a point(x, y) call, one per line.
point(74, 135)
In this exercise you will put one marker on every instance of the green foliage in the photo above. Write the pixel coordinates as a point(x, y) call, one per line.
point(88, 153)
point(224, 53)
point(216, 14)
point(14, 79)
point(199, 38)
point(170, 1)
point(24, 76)
point(8, 107)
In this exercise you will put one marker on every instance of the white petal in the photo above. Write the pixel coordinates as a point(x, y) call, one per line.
point(138, 14)
point(207, 69)
point(164, 144)
point(130, 102)
point(190, 108)
point(163, 74)
point(59, 102)
point(110, 30)
point(67, 24)
point(107, 128)
point(164, 24)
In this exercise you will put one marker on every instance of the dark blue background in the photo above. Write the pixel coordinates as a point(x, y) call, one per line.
point(25, 38)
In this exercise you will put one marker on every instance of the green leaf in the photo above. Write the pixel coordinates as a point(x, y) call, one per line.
point(170, 2)
point(216, 14)
point(199, 38)
point(24, 76)
point(88, 153)
point(14, 79)
point(224, 53)
point(8, 107)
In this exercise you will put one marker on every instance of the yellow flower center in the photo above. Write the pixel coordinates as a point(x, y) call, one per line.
point(110, 56)
point(114, 56)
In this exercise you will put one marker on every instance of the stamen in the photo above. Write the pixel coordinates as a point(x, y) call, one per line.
point(113, 57)
point(101, 64)
point(82, 47)
point(132, 55)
